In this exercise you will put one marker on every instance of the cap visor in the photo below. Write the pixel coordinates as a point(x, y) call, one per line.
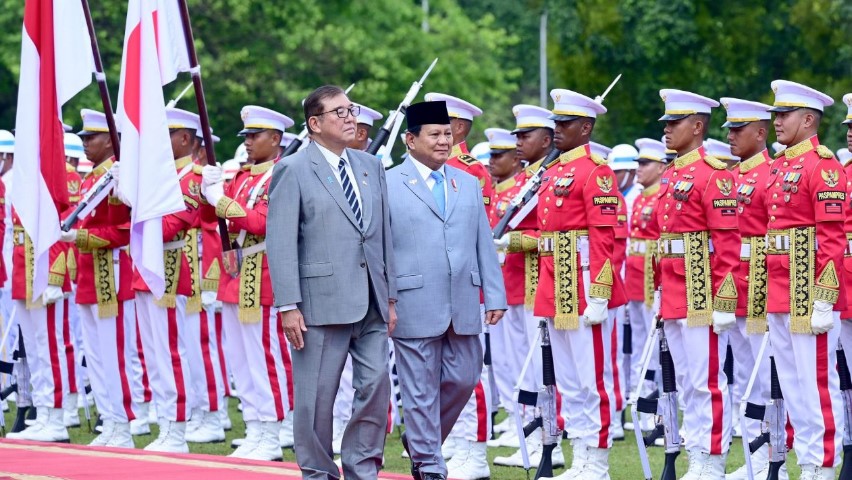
point(734, 124)
point(246, 131)
point(782, 109)
point(563, 118)
point(499, 151)
point(86, 133)
point(669, 118)
point(847, 122)
point(524, 130)
point(644, 160)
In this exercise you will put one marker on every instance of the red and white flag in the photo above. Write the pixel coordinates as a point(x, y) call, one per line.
point(148, 176)
point(56, 63)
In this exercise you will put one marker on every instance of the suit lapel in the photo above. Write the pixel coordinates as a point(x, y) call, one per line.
point(452, 189)
point(360, 173)
point(328, 179)
point(412, 179)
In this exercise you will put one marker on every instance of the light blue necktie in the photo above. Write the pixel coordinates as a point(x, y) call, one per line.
point(438, 190)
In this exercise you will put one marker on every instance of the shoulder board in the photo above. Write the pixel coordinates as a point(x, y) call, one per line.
point(466, 159)
point(780, 154)
point(824, 152)
point(715, 163)
point(599, 160)
point(196, 169)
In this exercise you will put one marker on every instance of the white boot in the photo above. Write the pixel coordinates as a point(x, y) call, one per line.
point(714, 468)
point(107, 430)
point(578, 462)
point(268, 447)
point(246, 445)
point(121, 437)
point(285, 433)
point(71, 416)
point(509, 438)
point(616, 428)
point(534, 450)
point(506, 425)
point(470, 461)
point(696, 461)
point(764, 472)
point(814, 472)
point(140, 425)
point(209, 429)
point(448, 448)
point(224, 418)
point(172, 438)
point(49, 427)
point(195, 417)
point(759, 462)
point(152, 414)
point(595, 464)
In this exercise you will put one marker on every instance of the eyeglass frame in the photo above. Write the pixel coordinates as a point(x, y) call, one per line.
point(354, 110)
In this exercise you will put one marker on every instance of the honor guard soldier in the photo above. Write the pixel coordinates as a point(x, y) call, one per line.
point(251, 323)
point(104, 294)
point(461, 119)
point(806, 244)
point(162, 322)
point(534, 133)
point(748, 124)
point(577, 215)
point(640, 282)
point(622, 160)
point(699, 250)
point(365, 121)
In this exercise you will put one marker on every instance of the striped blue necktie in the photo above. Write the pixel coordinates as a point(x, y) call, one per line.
point(349, 192)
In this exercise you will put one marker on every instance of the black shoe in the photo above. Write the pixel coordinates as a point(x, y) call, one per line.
point(415, 470)
point(433, 476)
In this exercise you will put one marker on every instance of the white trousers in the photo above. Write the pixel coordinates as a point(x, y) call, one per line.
point(257, 351)
point(202, 348)
point(164, 333)
point(807, 373)
point(699, 356)
point(745, 348)
point(44, 341)
point(584, 377)
point(110, 344)
point(516, 332)
point(616, 347)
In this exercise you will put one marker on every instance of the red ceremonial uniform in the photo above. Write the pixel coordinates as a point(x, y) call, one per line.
point(619, 295)
point(644, 234)
point(578, 194)
point(846, 314)
point(806, 190)
point(513, 263)
point(106, 227)
point(698, 195)
point(461, 159)
point(750, 176)
point(175, 227)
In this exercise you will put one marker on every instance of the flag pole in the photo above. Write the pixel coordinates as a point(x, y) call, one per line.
point(195, 70)
point(102, 85)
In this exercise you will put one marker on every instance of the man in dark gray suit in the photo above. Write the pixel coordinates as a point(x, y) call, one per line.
point(330, 258)
point(445, 256)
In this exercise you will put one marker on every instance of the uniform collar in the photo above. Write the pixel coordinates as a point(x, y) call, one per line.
point(505, 185)
point(530, 170)
point(261, 168)
point(102, 168)
point(459, 149)
point(183, 161)
point(579, 152)
point(802, 147)
point(689, 158)
point(652, 190)
point(756, 160)
point(69, 168)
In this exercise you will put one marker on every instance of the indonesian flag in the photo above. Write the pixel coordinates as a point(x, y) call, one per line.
point(56, 63)
point(148, 176)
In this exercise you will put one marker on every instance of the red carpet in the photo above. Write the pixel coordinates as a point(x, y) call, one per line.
point(21, 460)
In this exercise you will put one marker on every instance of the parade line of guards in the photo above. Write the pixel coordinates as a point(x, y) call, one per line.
point(721, 250)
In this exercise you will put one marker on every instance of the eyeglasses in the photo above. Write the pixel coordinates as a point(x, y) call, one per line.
point(343, 112)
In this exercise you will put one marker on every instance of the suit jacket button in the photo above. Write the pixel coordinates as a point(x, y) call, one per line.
point(363, 264)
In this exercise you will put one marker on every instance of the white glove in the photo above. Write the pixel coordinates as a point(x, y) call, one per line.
point(52, 294)
point(213, 192)
point(211, 174)
point(722, 321)
point(596, 311)
point(822, 318)
point(115, 170)
point(502, 243)
point(69, 236)
point(208, 299)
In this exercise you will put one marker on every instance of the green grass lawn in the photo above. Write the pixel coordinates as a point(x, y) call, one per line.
point(624, 459)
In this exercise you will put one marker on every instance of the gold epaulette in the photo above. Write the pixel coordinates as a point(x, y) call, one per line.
point(824, 152)
point(780, 153)
point(599, 160)
point(196, 169)
point(466, 159)
point(715, 163)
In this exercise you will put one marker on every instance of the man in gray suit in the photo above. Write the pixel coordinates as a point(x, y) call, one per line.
point(330, 259)
point(445, 256)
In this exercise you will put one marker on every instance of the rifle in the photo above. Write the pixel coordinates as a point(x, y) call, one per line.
point(492, 382)
point(300, 139)
point(750, 410)
point(647, 354)
point(383, 135)
point(846, 394)
point(773, 429)
point(627, 355)
point(91, 200)
point(530, 189)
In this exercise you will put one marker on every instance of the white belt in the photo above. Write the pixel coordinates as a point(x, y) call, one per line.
point(849, 247)
point(675, 246)
point(745, 250)
point(176, 245)
point(638, 246)
point(256, 248)
point(545, 244)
